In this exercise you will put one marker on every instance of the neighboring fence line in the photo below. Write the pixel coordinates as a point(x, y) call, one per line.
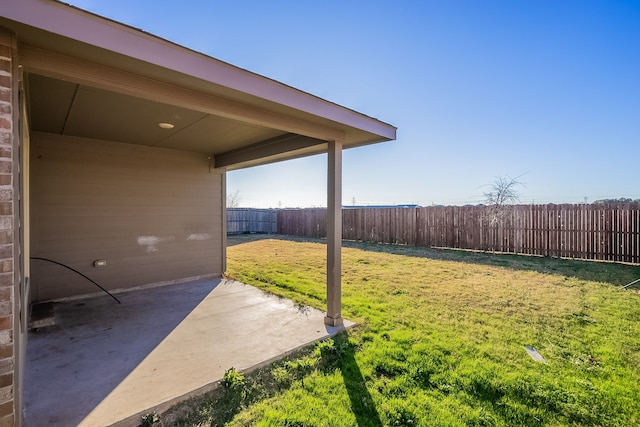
point(249, 220)
point(609, 232)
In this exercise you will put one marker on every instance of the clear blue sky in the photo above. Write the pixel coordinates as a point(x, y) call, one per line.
point(549, 90)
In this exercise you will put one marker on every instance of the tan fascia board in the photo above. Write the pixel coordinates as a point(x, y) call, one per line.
point(278, 146)
point(289, 155)
point(67, 21)
point(311, 150)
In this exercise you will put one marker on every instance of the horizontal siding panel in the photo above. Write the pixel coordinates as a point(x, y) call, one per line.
point(155, 215)
point(143, 202)
point(80, 211)
point(62, 227)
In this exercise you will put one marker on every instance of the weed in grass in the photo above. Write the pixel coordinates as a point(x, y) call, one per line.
point(300, 368)
point(149, 420)
point(234, 383)
point(232, 379)
point(282, 377)
point(239, 391)
point(400, 413)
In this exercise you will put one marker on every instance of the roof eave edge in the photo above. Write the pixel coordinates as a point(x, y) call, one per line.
point(69, 21)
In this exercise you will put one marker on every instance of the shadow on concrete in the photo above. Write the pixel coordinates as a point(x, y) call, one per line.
point(106, 363)
point(96, 343)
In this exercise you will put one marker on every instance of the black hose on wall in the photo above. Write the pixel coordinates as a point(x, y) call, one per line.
point(76, 271)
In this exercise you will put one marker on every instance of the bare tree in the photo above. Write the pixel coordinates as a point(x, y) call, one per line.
point(233, 199)
point(502, 194)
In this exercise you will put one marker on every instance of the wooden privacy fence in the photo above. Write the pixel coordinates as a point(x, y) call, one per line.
point(608, 232)
point(247, 220)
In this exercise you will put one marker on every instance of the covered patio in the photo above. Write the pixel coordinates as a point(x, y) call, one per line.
point(104, 363)
point(114, 146)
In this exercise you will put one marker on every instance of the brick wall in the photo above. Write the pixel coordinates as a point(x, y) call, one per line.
point(7, 360)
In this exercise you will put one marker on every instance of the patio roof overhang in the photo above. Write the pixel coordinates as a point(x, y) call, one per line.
point(89, 76)
point(92, 77)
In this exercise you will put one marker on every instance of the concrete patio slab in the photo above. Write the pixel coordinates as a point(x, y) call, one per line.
point(105, 363)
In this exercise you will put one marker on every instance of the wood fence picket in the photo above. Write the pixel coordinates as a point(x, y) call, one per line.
point(608, 232)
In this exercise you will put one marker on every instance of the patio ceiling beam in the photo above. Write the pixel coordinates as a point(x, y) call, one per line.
point(60, 66)
point(268, 148)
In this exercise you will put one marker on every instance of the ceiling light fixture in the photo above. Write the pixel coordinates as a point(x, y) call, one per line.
point(164, 125)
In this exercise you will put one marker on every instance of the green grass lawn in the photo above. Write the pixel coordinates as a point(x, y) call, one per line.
point(440, 341)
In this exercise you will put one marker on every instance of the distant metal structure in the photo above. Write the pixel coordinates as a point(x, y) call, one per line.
point(249, 221)
point(406, 205)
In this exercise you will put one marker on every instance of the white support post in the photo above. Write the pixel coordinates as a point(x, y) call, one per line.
point(334, 234)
